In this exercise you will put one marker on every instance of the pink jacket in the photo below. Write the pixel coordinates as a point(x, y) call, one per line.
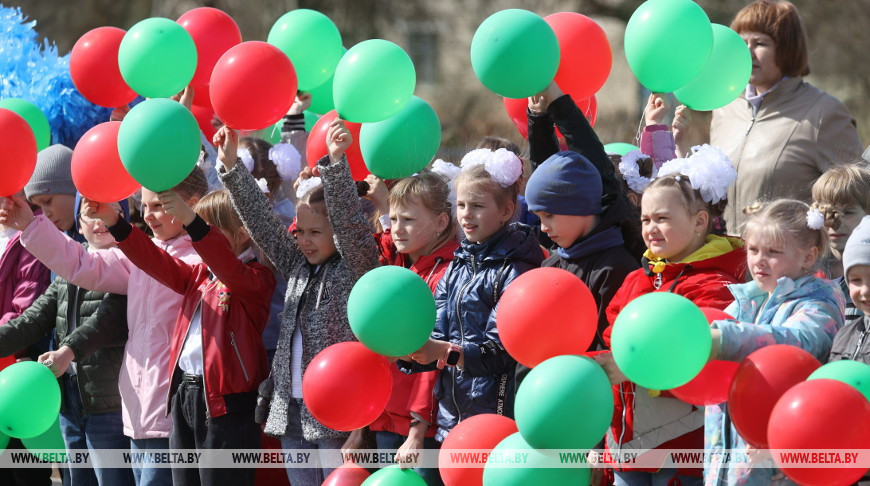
point(152, 310)
point(658, 142)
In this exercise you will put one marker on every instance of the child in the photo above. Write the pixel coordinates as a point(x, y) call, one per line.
point(91, 329)
point(552, 109)
point(480, 374)
point(332, 248)
point(420, 237)
point(216, 355)
point(843, 195)
point(152, 310)
point(852, 342)
point(783, 304)
point(565, 192)
point(677, 211)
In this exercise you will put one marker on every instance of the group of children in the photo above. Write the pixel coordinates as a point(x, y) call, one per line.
point(161, 344)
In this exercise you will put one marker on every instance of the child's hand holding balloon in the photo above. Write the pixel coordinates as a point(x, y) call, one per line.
point(102, 211)
point(175, 206)
point(227, 141)
point(15, 213)
point(338, 140)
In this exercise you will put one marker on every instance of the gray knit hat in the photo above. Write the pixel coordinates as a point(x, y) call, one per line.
point(857, 251)
point(53, 173)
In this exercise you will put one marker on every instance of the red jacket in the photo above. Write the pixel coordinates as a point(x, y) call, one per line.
point(704, 282)
point(235, 308)
point(412, 393)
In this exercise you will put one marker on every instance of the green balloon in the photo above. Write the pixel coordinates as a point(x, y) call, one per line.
point(619, 148)
point(157, 58)
point(528, 466)
point(402, 144)
point(407, 297)
point(850, 372)
point(394, 476)
point(29, 399)
point(515, 53)
point(667, 43)
point(4, 441)
point(273, 134)
point(565, 402)
point(33, 116)
point(321, 96)
point(725, 75)
point(311, 41)
point(374, 80)
point(310, 119)
point(51, 439)
point(661, 340)
point(159, 143)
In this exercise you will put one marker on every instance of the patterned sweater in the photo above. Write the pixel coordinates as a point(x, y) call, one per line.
point(315, 301)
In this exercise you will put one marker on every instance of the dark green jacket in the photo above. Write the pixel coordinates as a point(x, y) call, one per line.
point(97, 340)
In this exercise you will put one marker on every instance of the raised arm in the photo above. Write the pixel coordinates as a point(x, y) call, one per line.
point(352, 233)
point(261, 221)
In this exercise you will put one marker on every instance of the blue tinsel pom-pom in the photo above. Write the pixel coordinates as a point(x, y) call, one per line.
point(36, 73)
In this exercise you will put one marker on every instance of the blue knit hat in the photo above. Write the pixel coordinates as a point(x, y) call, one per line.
point(566, 183)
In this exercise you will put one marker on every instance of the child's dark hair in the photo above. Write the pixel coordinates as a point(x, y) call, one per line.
point(692, 200)
point(194, 185)
point(432, 192)
point(495, 143)
point(782, 219)
point(263, 166)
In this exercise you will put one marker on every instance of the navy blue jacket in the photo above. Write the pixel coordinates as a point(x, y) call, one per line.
point(467, 298)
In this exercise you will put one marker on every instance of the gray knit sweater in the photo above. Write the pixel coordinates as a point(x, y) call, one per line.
point(321, 311)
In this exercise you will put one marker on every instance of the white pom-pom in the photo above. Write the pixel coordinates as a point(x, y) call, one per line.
point(504, 167)
point(475, 157)
point(630, 170)
point(675, 166)
point(711, 172)
point(245, 155)
point(448, 171)
point(815, 219)
point(287, 160)
point(307, 185)
point(263, 185)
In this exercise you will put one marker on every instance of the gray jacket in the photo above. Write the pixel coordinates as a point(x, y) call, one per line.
point(317, 302)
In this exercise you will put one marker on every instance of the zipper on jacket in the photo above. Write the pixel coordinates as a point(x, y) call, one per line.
point(860, 343)
point(202, 348)
point(238, 355)
point(461, 333)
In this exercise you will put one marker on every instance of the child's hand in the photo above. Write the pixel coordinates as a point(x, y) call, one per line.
point(432, 351)
point(102, 211)
point(539, 103)
point(613, 373)
point(185, 97)
point(378, 193)
point(15, 213)
point(338, 139)
point(680, 126)
point(227, 141)
point(412, 445)
point(302, 103)
point(656, 109)
point(57, 361)
point(119, 113)
point(175, 206)
point(354, 441)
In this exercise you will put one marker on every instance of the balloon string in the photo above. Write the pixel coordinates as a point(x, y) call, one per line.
point(640, 125)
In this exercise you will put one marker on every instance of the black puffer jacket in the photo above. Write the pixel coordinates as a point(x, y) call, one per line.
point(852, 341)
point(98, 338)
point(466, 299)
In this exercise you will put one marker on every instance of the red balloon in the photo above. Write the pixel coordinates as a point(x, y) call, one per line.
point(516, 110)
point(348, 474)
point(315, 147)
point(93, 67)
point(713, 314)
point(711, 386)
point(586, 57)
point(818, 415)
point(19, 152)
point(346, 386)
point(761, 379)
point(546, 312)
point(481, 433)
point(6, 361)
point(202, 96)
point(204, 115)
point(214, 33)
point(252, 86)
point(97, 171)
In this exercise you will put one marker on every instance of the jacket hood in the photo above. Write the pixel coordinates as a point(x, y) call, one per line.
point(723, 253)
point(425, 263)
point(515, 241)
point(808, 286)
